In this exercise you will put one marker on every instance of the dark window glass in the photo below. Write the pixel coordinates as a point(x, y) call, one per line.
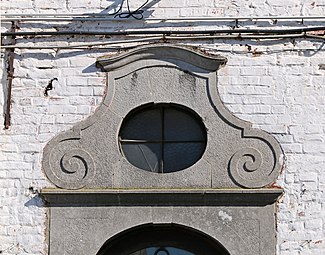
point(162, 138)
point(145, 125)
point(162, 251)
point(162, 239)
point(143, 155)
point(182, 155)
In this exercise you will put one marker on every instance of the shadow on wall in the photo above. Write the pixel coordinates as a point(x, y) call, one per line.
point(122, 9)
point(35, 201)
point(90, 69)
point(131, 16)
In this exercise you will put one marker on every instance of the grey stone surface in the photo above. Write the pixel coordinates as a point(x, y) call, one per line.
point(160, 197)
point(88, 156)
point(241, 225)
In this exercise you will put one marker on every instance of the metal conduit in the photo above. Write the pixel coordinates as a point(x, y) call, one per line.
point(103, 16)
point(160, 38)
point(168, 32)
point(110, 44)
point(94, 19)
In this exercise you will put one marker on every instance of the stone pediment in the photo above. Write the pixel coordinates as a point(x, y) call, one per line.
point(90, 155)
point(162, 153)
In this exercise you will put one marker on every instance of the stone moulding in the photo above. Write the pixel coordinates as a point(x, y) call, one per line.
point(172, 54)
point(88, 156)
point(195, 197)
point(241, 220)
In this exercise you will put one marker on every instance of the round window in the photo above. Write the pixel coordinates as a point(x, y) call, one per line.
point(162, 138)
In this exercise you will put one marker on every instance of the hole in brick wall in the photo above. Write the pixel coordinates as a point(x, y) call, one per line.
point(45, 67)
point(49, 86)
point(249, 48)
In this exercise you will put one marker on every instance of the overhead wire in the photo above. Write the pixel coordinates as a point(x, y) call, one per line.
point(136, 14)
point(116, 12)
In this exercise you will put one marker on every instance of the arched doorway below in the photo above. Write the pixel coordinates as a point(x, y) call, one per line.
point(162, 239)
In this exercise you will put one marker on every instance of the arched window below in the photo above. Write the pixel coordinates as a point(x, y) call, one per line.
point(162, 239)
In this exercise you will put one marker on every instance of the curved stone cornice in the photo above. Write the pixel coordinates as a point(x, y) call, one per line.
point(88, 156)
point(166, 53)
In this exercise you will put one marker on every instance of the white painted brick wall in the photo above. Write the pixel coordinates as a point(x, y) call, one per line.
point(281, 91)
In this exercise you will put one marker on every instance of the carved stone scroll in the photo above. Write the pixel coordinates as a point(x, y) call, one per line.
point(68, 164)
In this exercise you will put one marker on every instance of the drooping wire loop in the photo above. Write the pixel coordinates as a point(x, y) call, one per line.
point(136, 14)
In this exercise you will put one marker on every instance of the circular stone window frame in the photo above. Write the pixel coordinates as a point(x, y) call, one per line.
point(163, 107)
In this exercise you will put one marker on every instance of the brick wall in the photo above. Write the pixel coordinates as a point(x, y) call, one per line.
point(278, 85)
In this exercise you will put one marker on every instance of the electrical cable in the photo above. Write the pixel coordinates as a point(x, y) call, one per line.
point(118, 10)
point(136, 14)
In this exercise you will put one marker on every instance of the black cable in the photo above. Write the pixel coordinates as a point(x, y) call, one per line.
point(137, 14)
point(119, 9)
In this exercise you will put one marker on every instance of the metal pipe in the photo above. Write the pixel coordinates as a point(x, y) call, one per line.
point(163, 38)
point(21, 15)
point(104, 18)
point(315, 36)
point(10, 77)
point(65, 19)
point(148, 39)
point(167, 32)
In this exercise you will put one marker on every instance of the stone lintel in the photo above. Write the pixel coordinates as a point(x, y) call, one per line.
point(161, 197)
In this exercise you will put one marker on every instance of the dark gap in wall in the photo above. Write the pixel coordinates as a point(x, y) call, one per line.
point(49, 86)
